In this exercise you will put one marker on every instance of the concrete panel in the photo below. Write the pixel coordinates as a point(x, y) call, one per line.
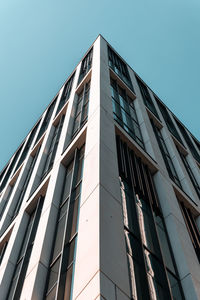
point(113, 260)
point(87, 253)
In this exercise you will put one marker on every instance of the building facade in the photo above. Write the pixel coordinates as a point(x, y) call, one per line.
point(102, 198)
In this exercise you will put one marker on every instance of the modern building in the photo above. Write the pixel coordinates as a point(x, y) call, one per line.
point(102, 198)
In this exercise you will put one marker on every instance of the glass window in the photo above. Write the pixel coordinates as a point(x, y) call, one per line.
point(86, 65)
point(66, 93)
point(81, 113)
point(146, 97)
point(117, 65)
point(61, 263)
point(166, 156)
point(53, 147)
point(124, 112)
point(21, 266)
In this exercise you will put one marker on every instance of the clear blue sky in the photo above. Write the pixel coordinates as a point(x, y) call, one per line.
point(42, 41)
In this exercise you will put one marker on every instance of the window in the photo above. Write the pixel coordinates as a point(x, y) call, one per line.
point(10, 167)
point(24, 187)
point(124, 112)
point(188, 141)
point(190, 173)
point(192, 228)
point(3, 250)
point(81, 113)
point(46, 120)
point(62, 261)
point(21, 266)
point(166, 156)
point(3, 172)
point(53, 147)
point(152, 270)
point(27, 146)
point(5, 202)
point(66, 93)
point(168, 120)
point(146, 97)
point(86, 65)
point(119, 67)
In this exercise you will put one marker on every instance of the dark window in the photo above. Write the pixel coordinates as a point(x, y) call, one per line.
point(3, 250)
point(62, 259)
point(188, 141)
point(46, 120)
point(192, 228)
point(53, 147)
point(3, 172)
point(21, 266)
point(124, 112)
point(4, 204)
point(197, 143)
point(168, 120)
point(149, 264)
point(24, 187)
point(146, 97)
point(166, 156)
point(27, 146)
point(119, 67)
point(66, 93)
point(10, 167)
point(81, 113)
point(190, 173)
point(86, 65)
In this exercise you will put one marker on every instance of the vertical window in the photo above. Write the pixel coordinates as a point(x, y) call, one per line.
point(3, 172)
point(192, 228)
point(188, 141)
point(190, 173)
point(81, 113)
point(86, 65)
point(168, 120)
point(119, 67)
point(124, 112)
point(146, 97)
point(27, 146)
point(3, 206)
point(66, 93)
point(10, 167)
point(3, 250)
point(153, 274)
point(59, 281)
point(21, 266)
point(24, 187)
point(53, 147)
point(46, 120)
point(166, 156)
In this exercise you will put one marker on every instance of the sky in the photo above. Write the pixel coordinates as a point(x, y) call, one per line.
point(41, 42)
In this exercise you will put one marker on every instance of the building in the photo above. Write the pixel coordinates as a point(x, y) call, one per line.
point(102, 198)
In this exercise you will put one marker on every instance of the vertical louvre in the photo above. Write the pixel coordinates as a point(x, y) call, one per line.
point(142, 219)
